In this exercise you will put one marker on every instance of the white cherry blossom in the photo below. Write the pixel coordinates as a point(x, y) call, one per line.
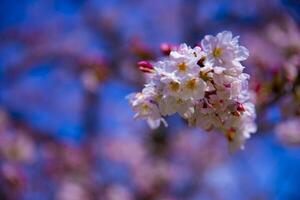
point(208, 88)
point(288, 131)
point(223, 49)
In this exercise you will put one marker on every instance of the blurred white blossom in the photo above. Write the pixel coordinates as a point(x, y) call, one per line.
point(288, 131)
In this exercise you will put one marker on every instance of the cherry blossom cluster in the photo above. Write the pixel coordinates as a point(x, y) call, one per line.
point(205, 85)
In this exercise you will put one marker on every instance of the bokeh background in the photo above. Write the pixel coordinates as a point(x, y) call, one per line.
point(66, 130)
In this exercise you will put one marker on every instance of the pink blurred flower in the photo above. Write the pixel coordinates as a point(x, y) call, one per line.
point(71, 190)
point(288, 131)
point(18, 147)
point(118, 192)
point(292, 67)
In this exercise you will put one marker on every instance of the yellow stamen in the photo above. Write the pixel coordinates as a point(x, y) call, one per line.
point(182, 67)
point(158, 97)
point(179, 101)
point(174, 86)
point(191, 84)
point(145, 107)
point(217, 52)
point(204, 76)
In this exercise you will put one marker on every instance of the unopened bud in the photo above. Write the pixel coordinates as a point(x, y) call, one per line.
point(240, 107)
point(145, 66)
point(166, 48)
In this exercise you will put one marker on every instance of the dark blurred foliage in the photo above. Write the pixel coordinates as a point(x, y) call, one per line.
point(67, 133)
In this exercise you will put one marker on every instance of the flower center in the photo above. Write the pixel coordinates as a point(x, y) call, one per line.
point(217, 52)
point(179, 101)
point(158, 97)
point(191, 84)
point(182, 67)
point(145, 109)
point(204, 75)
point(174, 86)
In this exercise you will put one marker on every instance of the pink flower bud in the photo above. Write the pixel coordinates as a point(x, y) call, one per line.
point(145, 66)
point(240, 107)
point(166, 48)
